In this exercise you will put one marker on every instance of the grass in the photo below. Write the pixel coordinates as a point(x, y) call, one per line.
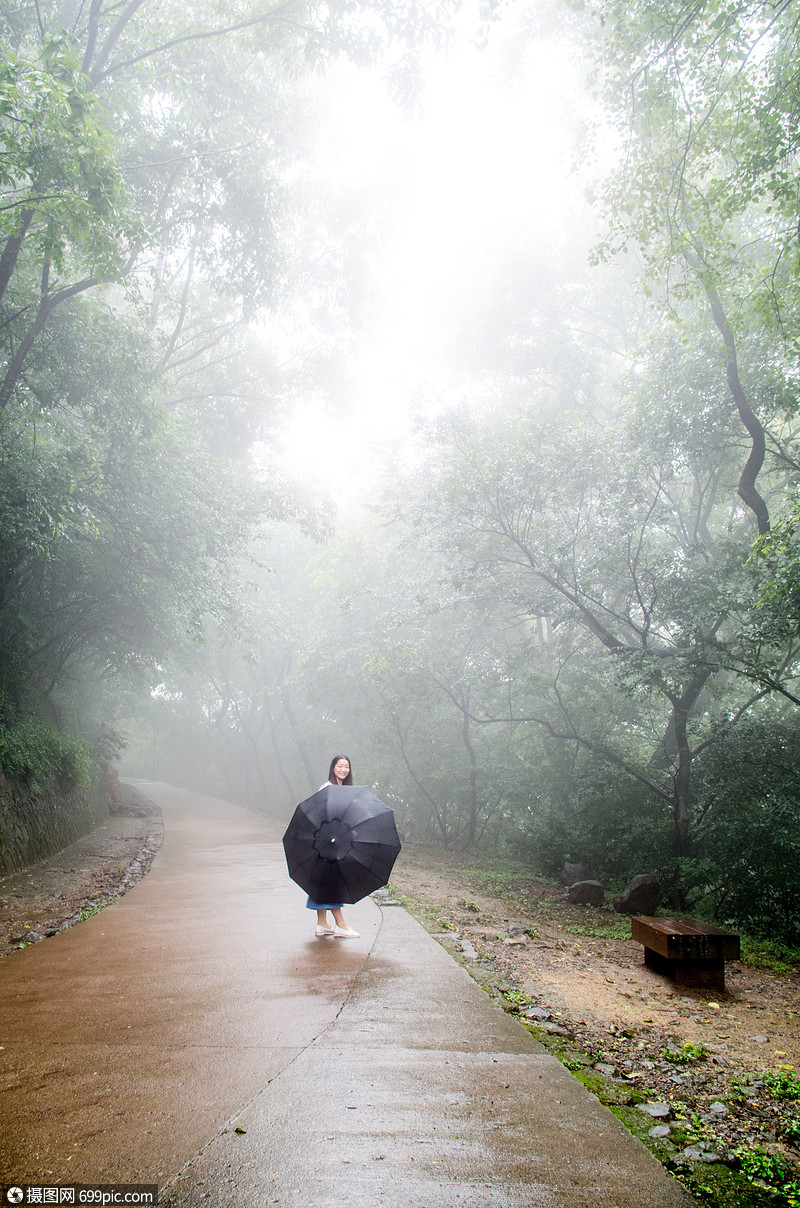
point(614, 927)
point(782, 1084)
point(771, 1171)
point(764, 954)
point(93, 908)
point(685, 1056)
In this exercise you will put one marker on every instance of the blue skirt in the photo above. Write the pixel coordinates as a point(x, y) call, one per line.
point(323, 905)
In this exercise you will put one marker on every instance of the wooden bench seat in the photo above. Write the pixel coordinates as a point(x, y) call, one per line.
point(691, 952)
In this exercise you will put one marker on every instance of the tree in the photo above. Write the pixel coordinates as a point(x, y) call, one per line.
point(624, 543)
point(705, 98)
point(147, 220)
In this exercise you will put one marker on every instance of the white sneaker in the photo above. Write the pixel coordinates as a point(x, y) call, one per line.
point(323, 930)
point(346, 933)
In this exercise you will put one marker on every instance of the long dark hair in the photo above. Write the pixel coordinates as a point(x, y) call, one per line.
point(348, 778)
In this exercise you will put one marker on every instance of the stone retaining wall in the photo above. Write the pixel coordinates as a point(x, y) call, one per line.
point(35, 824)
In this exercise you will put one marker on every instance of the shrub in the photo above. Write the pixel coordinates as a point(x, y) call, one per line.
point(747, 871)
point(33, 752)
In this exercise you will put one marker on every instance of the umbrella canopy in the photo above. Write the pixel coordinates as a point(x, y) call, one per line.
point(341, 844)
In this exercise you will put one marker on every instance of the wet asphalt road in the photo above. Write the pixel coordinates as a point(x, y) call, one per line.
point(357, 1072)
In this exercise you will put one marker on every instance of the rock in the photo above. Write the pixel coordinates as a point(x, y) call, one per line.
point(586, 893)
point(536, 1013)
point(760, 1039)
point(604, 1068)
point(516, 929)
point(642, 895)
point(659, 1111)
point(571, 873)
point(719, 1109)
point(698, 1154)
point(27, 937)
point(659, 1130)
point(468, 949)
point(381, 896)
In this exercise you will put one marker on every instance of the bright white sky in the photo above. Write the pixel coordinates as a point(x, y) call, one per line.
point(486, 159)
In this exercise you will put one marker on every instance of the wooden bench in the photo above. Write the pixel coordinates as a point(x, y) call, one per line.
point(691, 952)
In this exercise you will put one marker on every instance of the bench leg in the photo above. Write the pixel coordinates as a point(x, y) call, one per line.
point(708, 975)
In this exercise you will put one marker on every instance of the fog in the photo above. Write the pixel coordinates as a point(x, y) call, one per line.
point(483, 159)
point(417, 382)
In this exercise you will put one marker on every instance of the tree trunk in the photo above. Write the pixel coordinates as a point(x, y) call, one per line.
point(439, 813)
point(284, 775)
point(472, 825)
point(8, 260)
point(682, 781)
point(47, 305)
point(678, 729)
point(747, 482)
point(251, 743)
point(313, 776)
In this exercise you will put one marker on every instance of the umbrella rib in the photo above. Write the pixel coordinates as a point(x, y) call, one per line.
point(361, 824)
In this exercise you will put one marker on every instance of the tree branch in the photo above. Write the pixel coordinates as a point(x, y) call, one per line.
point(747, 482)
point(46, 307)
point(102, 72)
point(571, 736)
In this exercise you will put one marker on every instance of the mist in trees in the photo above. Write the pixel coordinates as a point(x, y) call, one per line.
point(521, 540)
point(153, 219)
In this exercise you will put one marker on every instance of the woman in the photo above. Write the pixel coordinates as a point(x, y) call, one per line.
point(340, 772)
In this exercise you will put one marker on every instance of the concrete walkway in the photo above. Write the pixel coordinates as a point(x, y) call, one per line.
point(130, 1039)
point(358, 1072)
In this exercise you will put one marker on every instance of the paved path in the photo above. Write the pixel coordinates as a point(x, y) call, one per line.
point(131, 1038)
point(361, 1072)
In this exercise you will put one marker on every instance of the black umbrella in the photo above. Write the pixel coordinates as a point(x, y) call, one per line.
point(341, 844)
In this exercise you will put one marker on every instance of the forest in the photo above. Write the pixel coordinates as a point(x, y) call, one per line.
point(542, 582)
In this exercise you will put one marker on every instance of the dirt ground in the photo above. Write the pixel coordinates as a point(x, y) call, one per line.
point(593, 994)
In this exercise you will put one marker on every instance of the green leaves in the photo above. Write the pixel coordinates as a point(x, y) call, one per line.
point(34, 752)
point(708, 98)
point(779, 553)
point(58, 166)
